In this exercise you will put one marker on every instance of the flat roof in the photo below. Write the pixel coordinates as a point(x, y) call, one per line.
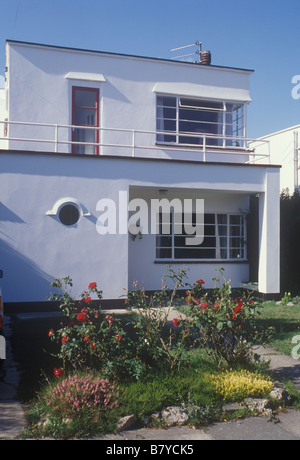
point(18, 42)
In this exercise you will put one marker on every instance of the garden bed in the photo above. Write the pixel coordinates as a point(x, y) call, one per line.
point(139, 363)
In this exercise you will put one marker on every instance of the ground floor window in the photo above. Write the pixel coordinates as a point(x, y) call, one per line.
point(224, 238)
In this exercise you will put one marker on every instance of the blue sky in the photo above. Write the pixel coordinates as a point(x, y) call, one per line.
point(263, 35)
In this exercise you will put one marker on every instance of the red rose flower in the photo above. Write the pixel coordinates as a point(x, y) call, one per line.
point(200, 281)
point(204, 306)
point(87, 299)
point(118, 338)
point(86, 338)
point(65, 339)
point(58, 372)
point(238, 307)
point(82, 317)
point(93, 346)
point(51, 332)
point(109, 319)
point(92, 285)
point(175, 322)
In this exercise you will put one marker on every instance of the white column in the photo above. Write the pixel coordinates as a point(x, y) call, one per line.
point(269, 234)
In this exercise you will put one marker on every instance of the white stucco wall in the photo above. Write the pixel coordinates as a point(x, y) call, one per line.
point(3, 143)
point(282, 153)
point(40, 81)
point(36, 247)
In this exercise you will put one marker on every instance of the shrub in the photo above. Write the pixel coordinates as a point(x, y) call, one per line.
point(79, 405)
point(160, 343)
point(237, 385)
point(74, 395)
point(227, 326)
point(87, 339)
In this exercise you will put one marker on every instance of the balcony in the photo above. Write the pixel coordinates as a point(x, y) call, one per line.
point(74, 139)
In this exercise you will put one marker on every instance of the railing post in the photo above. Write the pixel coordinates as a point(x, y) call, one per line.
point(56, 138)
point(133, 143)
point(204, 149)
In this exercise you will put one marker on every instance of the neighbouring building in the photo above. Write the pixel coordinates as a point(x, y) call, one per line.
point(89, 138)
point(284, 151)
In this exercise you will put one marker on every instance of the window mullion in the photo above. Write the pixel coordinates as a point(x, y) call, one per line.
point(224, 124)
point(228, 235)
point(177, 120)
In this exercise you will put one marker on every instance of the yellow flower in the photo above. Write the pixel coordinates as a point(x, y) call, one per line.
point(238, 385)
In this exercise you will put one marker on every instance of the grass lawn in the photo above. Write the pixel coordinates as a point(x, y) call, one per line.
point(285, 320)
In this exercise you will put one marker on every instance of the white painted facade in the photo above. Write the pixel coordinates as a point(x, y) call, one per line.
point(284, 151)
point(37, 178)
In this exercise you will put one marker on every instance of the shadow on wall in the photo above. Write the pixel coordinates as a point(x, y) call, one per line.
point(23, 281)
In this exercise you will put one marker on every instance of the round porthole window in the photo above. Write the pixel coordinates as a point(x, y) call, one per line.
point(69, 214)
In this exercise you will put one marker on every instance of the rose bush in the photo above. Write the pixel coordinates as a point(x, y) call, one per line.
point(87, 339)
point(227, 326)
point(160, 342)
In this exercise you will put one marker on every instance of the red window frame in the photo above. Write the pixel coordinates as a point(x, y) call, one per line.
point(95, 90)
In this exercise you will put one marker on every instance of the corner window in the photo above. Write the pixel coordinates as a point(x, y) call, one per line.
point(186, 121)
point(224, 239)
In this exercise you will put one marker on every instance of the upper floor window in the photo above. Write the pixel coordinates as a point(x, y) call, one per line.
point(187, 121)
point(85, 113)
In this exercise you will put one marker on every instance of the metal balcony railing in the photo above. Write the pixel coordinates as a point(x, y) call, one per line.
point(58, 138)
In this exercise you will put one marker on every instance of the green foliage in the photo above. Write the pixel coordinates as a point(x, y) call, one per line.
point(86, 339)
point(227, 326)
point(160, 343)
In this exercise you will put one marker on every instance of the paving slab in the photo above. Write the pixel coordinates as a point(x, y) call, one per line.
point(254, 429)
point(171, 434)
point(12, 419)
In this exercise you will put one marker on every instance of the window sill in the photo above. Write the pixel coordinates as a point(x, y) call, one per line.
point(201, 261)
point(207, 147)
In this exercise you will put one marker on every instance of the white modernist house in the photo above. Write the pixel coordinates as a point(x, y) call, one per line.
point(284, 151)
point(108, 162)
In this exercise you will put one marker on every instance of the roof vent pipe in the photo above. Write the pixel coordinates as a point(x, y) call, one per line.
point(206, 57)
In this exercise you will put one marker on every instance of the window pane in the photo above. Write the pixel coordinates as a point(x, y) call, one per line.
point(85, 98)
point(162, 253)
point(85, 117)
point(84, 135)
point(69, 214)
point(163, 241)
point(166, 101)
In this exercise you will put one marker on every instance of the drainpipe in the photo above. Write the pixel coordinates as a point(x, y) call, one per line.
point(296, 162)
